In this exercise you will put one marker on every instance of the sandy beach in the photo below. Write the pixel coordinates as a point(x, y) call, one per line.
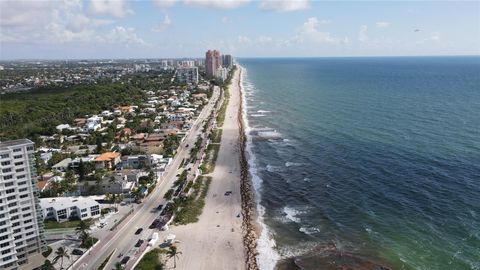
point(216, 240)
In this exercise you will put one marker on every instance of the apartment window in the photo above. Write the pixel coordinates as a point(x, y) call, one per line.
point(20, 249)
point(17, 230)
point(9, 198)
point(22, 189)
point(17, 237)
point(29, 233)
point(20, 170)
point(84, 210)
point(29, 148)
point(8, 258)
point(4, 156)
point(7, 170)
point(23, 196)
point(5, 251)
point(84, 215)
point(28, 227)
point(17, 150)
point(21, 176)
point(8, 184)
point(13, 211)
point(14, 218)
point(17, 156)
point(10, 190)
point(27, 221)
point(4, 163)
point(6, 244)
point(3, 237)
point(2, 223)
point(19, 163)
point(25, 208)
point(27, 214)
point(6, 177)
point(19, 243)
point(2, 215)
point(15, 224)
point(22, 183)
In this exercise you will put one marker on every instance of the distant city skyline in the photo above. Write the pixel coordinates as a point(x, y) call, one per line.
point(93, 29)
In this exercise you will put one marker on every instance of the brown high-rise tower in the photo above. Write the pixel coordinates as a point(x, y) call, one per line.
point(213, 60)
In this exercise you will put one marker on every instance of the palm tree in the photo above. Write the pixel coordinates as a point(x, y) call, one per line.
point(47, 265)
point(82, 231)
point(173, 253)
point(61, 253)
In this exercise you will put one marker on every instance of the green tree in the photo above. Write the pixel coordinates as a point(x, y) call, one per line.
point(47, 265)
point(172, 252)
point(60, 254)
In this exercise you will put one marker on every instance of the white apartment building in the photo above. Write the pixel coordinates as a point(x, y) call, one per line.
point(65, 208)
point(21, 225)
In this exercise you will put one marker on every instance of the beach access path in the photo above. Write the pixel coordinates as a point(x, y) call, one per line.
point(215, 241)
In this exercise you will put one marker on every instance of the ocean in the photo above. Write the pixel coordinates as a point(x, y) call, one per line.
point(365, 162)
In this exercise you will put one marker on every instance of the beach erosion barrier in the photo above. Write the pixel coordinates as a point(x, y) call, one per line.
point(246, 190)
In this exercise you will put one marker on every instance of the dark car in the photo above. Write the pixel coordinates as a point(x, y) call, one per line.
point(77, 252)
point(139, 231)
point(160, 207)
point(154, 224)
point(139, 243)
point(125, 260)
point(187, 145)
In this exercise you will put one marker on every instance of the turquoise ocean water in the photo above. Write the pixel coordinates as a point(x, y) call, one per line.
point(367, 161)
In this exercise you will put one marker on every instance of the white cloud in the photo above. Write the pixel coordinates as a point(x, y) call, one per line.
point(362, 34)
point(164, 3)
point(284, 5)
point(219, 4)
point(434, 37)
point(382, 24)
point(126, 36)
point(243, 40)
point(309, 32)
point(163, 25)
point(116, 8)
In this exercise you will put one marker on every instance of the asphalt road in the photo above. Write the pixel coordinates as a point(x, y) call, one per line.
point(123, 238)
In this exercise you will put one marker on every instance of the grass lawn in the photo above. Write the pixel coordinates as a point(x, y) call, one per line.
point(151, 261)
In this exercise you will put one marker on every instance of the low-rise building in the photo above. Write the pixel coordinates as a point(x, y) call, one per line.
point(67, 208)
point(107, 160)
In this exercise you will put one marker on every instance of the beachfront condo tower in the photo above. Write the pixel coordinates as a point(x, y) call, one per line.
point(21, 225)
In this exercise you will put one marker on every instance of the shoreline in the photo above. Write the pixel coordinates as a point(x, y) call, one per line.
point(250, 228)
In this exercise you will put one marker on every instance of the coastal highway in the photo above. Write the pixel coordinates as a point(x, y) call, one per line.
point(123, 238)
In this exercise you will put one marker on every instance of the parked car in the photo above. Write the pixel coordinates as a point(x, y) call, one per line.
point(77, 252)
point(139, 243)
point(160, 207)
point(154, 224)
point(125, 260)
point(139, 230)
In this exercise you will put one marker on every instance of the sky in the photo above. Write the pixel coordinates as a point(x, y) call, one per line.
point(92, 29)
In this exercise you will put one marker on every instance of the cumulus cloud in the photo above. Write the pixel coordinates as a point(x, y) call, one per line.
point(284, 5)
point(51, 22)
point(164, 3)
point(362, 34)
point(116, 8)
point(219, 4)
point(309, 32)
point(163, 25)
point(124, 35)
point(382, 24)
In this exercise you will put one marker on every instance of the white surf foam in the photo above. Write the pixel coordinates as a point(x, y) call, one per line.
point(267, 254)
point(291, 214)
point(263, 111)
point(309, 230)
point(290, 164)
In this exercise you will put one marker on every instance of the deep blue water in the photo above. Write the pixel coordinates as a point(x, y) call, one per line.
point(377, 157)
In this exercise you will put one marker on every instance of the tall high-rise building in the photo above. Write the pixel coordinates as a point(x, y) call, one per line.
point(227, 61)
point(213, 61)
point(21, 225)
